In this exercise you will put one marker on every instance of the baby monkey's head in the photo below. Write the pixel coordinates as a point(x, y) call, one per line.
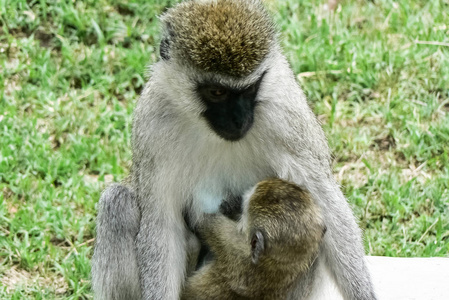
point(283, 223)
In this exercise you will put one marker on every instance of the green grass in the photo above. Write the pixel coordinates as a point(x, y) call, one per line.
point(71, 72)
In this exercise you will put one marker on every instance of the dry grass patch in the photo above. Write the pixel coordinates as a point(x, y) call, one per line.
point(16, 278)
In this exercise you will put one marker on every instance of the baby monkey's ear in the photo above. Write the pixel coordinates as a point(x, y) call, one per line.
point(257, 246)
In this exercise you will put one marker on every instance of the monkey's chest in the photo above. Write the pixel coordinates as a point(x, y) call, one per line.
point(208, 194)
point(213, 170)
point(212, 193)
point(225, 185)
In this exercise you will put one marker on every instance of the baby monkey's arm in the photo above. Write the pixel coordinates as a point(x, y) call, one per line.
point(222, 235)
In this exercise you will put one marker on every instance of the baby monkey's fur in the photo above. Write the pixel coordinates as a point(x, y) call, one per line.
point(262, 255)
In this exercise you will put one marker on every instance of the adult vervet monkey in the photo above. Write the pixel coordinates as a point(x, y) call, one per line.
point(262, 255)
point(221, 112)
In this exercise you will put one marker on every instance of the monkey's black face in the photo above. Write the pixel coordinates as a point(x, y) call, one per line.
point(229, 112)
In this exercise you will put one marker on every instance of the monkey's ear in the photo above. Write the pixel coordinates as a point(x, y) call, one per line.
point(257, 246)
point(164, 48)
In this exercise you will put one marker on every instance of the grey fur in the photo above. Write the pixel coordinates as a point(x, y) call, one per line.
point(180, 165)
point(114, 273)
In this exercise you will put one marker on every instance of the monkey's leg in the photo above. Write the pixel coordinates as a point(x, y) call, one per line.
point(343, 246)
point(161, 251)
point(115, 273)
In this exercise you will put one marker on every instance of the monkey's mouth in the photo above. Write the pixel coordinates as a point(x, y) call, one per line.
point(234, 131)
point(231, 120)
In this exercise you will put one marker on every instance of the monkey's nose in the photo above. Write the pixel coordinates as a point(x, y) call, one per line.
point(238, 123)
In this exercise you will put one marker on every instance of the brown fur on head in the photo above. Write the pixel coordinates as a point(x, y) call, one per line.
point(229, 37)
point(286, 219)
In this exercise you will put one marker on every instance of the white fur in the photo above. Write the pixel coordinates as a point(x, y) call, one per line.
point(324, 286)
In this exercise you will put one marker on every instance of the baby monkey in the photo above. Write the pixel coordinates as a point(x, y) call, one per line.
point(259, 257)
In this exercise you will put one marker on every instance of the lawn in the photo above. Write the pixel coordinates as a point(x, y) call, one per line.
point(376, 73)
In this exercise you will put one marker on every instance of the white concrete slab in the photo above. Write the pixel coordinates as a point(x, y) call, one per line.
point(410, 278)
point(398, 279)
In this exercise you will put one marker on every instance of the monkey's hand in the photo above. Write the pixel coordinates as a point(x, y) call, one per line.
point(207, 226)
point(232, 207)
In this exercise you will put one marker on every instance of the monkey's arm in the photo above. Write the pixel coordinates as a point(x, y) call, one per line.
point(226, 242)
point(220, 232)
point(115, 274)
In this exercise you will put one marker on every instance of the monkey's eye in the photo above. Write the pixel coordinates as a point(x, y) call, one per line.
point(217, 94)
